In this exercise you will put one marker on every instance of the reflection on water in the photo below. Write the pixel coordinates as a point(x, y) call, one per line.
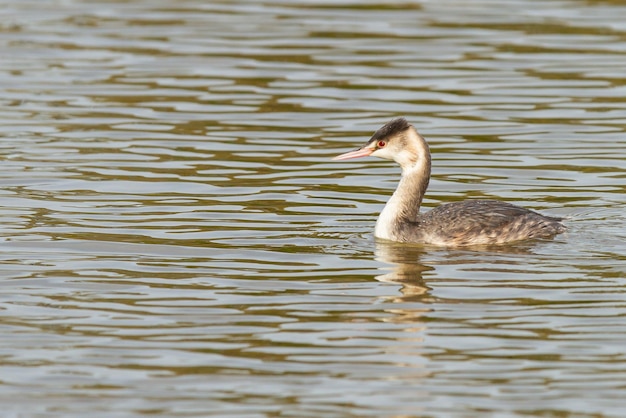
point(406, 268)
point(177, 242)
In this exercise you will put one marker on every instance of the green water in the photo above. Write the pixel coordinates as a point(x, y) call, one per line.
point(176, 241)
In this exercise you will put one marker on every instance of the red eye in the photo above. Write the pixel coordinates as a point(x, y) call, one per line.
point(381, 144)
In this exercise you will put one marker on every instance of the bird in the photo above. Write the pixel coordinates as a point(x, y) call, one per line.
point(456, 224)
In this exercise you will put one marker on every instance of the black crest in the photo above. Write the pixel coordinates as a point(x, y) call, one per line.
point(391, 128)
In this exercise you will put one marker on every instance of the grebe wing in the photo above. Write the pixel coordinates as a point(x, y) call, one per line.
point(475, 220)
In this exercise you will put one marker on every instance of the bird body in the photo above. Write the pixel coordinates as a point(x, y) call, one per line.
point(471, 222)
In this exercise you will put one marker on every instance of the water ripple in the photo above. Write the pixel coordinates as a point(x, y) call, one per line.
point(176, 239)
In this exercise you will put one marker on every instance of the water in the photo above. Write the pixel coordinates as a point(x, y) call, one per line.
point(176, 241)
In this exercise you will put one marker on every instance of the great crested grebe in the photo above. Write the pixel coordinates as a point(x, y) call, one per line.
point(471, 222)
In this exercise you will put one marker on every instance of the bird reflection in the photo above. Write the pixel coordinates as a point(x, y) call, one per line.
point(406, 272)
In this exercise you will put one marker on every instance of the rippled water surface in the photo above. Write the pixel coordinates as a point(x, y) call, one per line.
point(176, 241)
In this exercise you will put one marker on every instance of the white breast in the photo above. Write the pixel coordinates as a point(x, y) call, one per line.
point(386, 220)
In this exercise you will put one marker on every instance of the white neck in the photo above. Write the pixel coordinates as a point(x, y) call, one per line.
point(402, 209)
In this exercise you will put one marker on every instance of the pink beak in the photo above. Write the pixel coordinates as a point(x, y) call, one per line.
point(362, 152)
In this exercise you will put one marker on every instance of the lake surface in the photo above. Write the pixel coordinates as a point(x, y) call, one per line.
point(176, 241)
